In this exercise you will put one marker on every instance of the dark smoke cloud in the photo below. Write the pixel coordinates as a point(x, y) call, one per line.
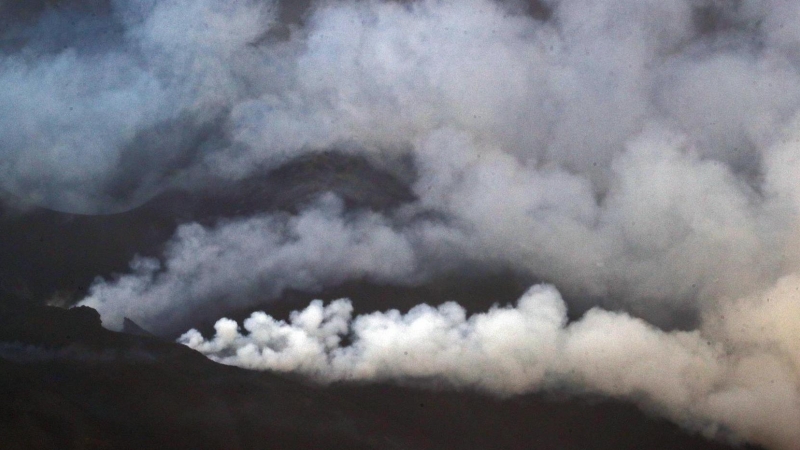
point(639, 152)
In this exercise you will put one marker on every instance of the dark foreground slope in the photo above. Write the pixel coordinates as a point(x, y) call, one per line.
point(67, 383)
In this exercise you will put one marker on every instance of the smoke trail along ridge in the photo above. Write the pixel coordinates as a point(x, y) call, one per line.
point(734, 378)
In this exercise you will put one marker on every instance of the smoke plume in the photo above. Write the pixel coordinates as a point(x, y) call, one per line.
point(735, 377)
point(638, 156)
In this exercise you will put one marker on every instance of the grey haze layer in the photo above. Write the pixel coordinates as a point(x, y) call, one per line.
point(640, 152)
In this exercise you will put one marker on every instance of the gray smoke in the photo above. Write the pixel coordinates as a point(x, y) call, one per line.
point(255, 258)
point(639, 152)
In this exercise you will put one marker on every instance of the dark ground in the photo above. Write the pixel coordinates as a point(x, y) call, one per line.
point(67, 383)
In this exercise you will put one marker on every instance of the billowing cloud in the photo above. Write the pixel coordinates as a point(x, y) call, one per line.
point(735, 378)
point(639, 154)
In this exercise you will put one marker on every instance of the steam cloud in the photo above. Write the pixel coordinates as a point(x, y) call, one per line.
point(640, 152)
point(738, 373)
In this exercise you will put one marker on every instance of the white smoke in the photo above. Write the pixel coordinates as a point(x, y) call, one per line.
point(640, 152)
point(736, 374)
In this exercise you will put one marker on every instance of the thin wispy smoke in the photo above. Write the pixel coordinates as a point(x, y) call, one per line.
point(642, 154)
